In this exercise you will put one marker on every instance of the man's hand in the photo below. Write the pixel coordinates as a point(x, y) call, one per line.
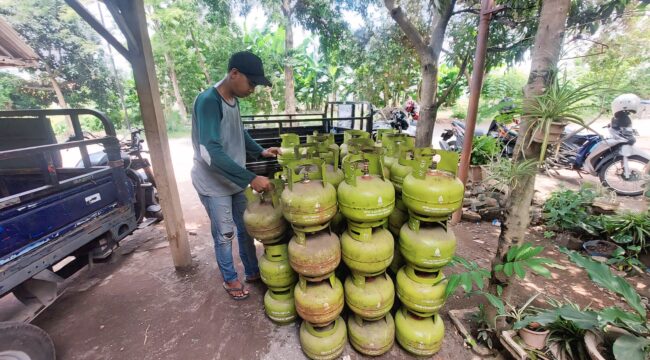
point(271, 152)
point(261, 183)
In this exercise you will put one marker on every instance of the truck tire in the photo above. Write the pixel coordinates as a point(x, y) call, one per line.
point(21, 341)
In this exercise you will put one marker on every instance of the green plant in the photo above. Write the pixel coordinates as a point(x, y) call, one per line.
point(485, 332)
point(560, 103)
point(549, 234)
point(628, 228)
point(473, 274)
point(567, 324)
point(484, 150)
point(626, 260)
point(507, 173)
point(568, 209)
point(517, 314)
point(635, 346)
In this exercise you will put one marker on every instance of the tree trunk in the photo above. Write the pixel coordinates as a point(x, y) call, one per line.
point(545, 56)
point(289, 91)
point(204, 68)
point(69, 129)
point(429, 55)
point(424, 133)
point(177, 91)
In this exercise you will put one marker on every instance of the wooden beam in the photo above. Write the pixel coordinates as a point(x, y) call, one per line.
point(95, 24)
point(155, 129)
point(8, 61)
point(121, 23)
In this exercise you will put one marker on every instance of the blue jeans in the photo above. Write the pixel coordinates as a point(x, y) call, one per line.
point(227, 223)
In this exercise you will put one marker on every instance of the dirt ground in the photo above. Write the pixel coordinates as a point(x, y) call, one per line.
point(138, 307)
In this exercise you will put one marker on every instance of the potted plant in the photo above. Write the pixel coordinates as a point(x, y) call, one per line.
point(485, 149)
point(552, 111)
point(624, 333)
point(531, 332)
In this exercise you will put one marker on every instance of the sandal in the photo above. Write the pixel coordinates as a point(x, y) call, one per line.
point(231, 292)
point(253, 278)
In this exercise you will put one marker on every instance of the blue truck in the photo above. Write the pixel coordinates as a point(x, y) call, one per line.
point(54, 220)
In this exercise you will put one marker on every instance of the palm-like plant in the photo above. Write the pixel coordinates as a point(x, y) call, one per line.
point(560, 104)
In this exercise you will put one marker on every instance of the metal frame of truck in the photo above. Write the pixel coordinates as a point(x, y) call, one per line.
point(266, 129)
point(28, 272)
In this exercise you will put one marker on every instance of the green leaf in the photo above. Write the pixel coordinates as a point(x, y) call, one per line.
point(452, 284)
point(540, 270)
point(544, 318)
point(583, 319)
point(499, 290)
point(478, 278)
point(630, 348)
point(508, 269)
point(498, 267)
point(496, 302)
point(466, 282)
point(602, 275)
point(618, 317)
point(519, 270)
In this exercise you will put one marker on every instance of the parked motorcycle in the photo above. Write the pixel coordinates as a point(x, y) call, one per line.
point(138, 171)
point(617, 163)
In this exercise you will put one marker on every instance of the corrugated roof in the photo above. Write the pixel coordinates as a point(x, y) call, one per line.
point(13, 50)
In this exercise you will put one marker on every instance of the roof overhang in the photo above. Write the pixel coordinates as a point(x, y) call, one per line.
point(14, 52)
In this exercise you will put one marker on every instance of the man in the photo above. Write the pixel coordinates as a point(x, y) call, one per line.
point(219, 174)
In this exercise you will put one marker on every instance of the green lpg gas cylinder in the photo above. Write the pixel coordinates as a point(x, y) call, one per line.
point(401, 168)
point(370, 297)
point(308, 200)
point(422, 293)
point(421, 336)
point(398, 260)
point(274, 267)
point(398, 217)
point(427, 246)
point(323, 343)
point(365, 195)
point(348, 136)
point(315, 255)
point(432, 190)
point(279, 306)
point(374, 337)
point(367, 250)
point(263, 217)
point(319, 302)
point(323, 141)
point(289, 141)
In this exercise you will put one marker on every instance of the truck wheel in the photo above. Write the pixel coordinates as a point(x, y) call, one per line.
point(20, 341)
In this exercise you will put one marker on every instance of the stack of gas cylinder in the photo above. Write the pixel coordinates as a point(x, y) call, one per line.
point(397, 150)
point(264, 221)
point(431, 193)
point(390, 204)
point(310, 204)
point(366, 199)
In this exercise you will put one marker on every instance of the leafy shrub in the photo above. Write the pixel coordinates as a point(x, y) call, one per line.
point(568, 209)
point(485, 149)
point(628, 228)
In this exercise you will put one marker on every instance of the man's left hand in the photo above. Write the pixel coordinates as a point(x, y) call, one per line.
point(271, 152)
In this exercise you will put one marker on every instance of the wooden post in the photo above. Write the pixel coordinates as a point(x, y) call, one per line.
point(141, 58)
point(475, 93)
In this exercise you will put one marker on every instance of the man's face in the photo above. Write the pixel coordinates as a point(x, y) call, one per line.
point(242, 86)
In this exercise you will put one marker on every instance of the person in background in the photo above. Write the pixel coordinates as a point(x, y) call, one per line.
point(219, 174)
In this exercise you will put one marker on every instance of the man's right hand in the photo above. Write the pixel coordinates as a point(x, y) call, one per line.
point(261, 183)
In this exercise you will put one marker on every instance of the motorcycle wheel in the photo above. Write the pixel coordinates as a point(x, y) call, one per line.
point(611, 176)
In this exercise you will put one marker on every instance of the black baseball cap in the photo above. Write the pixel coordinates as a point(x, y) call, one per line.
point(250, 65)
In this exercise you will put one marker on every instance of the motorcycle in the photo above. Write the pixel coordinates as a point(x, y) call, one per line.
point(617, 163)
point(138, 171)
